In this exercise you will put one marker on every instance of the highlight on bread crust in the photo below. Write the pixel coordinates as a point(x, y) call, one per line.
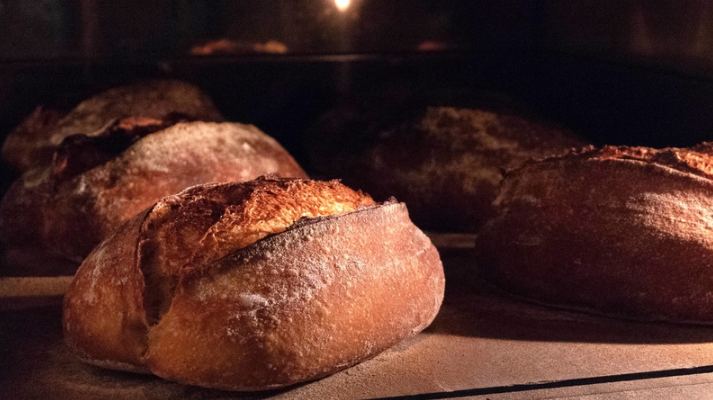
point(33, 142)
point(256, 285)
point(622, 231)
point(97, 183)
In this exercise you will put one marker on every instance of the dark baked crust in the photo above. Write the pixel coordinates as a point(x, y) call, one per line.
point(619, 230)
point(70, 213)
point(447, 164)
point(695, 160)
point(30, 133)
point(322, 295)
point(33, 142)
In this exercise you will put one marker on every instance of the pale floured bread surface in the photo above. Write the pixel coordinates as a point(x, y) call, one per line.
point(231, 295)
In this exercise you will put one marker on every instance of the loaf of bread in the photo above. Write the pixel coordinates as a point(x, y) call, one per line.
point(447, 163)
point(255, 285)
point(33, 142)
point(96, 183)
point(622, 231)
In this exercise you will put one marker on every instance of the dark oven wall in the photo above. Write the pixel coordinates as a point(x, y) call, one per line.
point(615, 72)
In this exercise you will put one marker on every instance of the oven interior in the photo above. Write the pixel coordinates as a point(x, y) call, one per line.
point(624, 73)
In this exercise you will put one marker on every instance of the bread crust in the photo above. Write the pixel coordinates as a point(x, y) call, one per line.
point(71, 214)
point(32, 143)
point(622, 231)
point(448, 163)
point(323, 295)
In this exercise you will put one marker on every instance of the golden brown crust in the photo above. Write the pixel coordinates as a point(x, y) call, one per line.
point(205, 223)
point(447, 165)
point(616, 230)
point(696, 160)
point(320, 296)
point(105, 308)
point(70, 211)
point(33, 142)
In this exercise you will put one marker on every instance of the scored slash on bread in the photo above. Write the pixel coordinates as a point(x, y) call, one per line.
point(96, 183)
point(33, 142)
point(254, 286)
point(623, 231)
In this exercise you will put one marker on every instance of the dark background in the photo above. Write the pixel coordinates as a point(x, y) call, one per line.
point(624, 72)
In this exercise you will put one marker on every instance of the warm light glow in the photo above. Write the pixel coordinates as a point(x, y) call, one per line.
point(342, 5)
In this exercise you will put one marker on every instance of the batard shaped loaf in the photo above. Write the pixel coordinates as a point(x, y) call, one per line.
point(623, 231)
point(97, 183)
point(447, 163)
point(33, 142)
point(256, 285)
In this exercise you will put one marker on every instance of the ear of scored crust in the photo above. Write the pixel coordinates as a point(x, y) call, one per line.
point(81, 152)
point(205, 223)
point(694, 160)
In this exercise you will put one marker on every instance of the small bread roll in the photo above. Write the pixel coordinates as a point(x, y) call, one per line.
point(623, 231)
point(255, 285)
point(33, 142)
point(97, 183)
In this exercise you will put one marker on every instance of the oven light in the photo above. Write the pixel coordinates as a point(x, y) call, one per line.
point(342, 5)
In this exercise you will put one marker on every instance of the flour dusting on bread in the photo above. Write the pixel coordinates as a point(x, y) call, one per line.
point(255, 285)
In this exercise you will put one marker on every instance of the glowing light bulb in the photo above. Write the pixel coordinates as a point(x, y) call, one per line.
point(342, 5)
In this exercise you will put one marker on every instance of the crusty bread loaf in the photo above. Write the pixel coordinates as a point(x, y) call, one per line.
point(33, 142)
point(254, 286)
point(623, 231)
point(97, 183)
point(447, 163)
